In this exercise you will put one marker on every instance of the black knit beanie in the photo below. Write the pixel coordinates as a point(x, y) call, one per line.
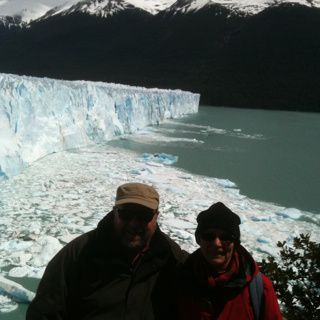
point(218, 216)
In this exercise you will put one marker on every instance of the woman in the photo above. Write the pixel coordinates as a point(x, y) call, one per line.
point(216, 278)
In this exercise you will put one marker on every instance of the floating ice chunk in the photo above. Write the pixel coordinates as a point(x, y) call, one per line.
point(175, 190)
point(310, 217)
point(6, 304)
point(180, 224)
point(135, 171)
point(185, 176)
point(216, 130)
point(290, 213)
point(35, 227)
point(237, 133)
point(263, 240)
point(183, 235)
point(26, 271)
point(159, 138)
point(19, 272)
point(261, 218)
point(68, 237)
point(241, 135)
point(145, 170)
point(155, 164)
point(164, 158)
point(266, 250)
point(18, 257)
point(15, 245)
point(225, 183)
point(15, 290)
point(44, 249)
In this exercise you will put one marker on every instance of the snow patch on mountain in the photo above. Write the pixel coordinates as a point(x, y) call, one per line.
point(102, 8)
point(152, 6)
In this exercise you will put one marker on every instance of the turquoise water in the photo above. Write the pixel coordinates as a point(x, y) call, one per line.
point(272, 156)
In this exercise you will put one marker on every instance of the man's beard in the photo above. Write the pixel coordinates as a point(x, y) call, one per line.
point(134, 238)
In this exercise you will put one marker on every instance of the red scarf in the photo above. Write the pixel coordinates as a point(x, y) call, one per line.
point(231, 272)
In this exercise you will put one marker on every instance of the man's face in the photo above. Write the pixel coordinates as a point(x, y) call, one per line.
point(135, 224)
point(217, 248)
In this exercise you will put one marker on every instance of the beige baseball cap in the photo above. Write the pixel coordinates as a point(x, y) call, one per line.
point(139, 193)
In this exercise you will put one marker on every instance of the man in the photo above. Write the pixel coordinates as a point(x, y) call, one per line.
point(217, 278)
point(124, 269)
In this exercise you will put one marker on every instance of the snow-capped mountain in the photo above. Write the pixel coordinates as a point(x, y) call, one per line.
point(152, 6)
point(243, 6)
point(105, 8)
point(102, 8)
point(31, 10)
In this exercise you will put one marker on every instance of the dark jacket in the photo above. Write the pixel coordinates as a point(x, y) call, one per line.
point(205, 296)
point(92, 278)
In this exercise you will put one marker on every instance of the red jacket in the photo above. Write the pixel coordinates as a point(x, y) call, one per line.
point(227, 297)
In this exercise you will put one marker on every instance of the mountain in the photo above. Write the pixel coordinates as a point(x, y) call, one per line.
point(31, 10)
point(247, 7)
point(101, 8)
point(266, 60)
point(27, 10)
point(39, 9)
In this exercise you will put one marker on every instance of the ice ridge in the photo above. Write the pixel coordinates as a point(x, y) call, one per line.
point(39, 116)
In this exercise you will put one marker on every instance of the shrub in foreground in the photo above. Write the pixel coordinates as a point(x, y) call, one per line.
point(296, 278)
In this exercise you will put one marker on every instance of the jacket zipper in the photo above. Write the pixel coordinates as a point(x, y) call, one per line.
point(133, 270)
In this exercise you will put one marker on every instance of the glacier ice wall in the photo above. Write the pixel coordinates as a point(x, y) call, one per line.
point(39, 116)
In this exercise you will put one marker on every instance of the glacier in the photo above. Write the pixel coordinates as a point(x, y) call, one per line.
point(40, 116)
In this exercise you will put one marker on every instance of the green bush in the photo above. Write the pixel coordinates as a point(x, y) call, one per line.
point(296, 278)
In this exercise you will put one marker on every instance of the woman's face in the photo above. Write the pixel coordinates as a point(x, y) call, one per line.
point(217, 247)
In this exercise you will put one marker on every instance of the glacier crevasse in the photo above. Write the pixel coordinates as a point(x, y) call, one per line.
point(39, 116)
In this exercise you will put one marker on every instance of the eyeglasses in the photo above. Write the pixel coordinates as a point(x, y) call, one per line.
point(128, 214)
point(223, 237)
